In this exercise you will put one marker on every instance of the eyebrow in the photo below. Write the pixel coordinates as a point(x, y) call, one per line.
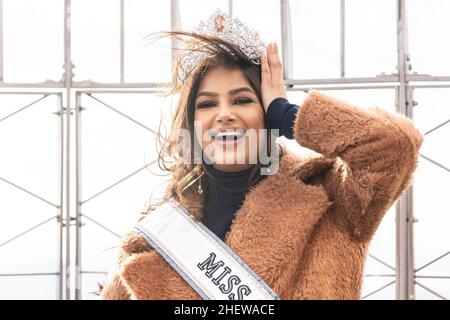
point(231, 92)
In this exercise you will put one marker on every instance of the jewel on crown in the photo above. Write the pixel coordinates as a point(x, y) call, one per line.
point(230, 29)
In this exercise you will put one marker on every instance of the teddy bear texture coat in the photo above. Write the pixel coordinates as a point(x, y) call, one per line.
point(306, 229)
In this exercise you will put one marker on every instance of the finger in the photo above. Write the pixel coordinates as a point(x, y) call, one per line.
point(279, 63)
point(265, 71)
point(274, 68)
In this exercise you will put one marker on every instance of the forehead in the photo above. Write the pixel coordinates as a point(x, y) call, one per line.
point(222, 80)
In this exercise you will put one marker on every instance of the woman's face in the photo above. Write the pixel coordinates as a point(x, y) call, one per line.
point(229, 120)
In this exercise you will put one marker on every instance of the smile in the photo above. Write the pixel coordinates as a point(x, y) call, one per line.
point(228, 138)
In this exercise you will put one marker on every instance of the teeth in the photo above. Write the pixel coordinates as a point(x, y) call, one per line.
point(229, 135)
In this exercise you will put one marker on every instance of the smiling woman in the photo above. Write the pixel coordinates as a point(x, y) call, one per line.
point(227, 228)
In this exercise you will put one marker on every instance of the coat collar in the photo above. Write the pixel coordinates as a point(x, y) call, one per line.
point(271, 228)
point(305, 169)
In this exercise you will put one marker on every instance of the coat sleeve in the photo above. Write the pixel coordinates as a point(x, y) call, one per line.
point(376, 154)
point(114, 288)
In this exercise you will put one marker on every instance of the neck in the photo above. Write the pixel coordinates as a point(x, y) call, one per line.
point(228, 187)
point(232, 167)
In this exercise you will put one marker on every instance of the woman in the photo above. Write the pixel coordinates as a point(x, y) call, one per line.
point(304, 224)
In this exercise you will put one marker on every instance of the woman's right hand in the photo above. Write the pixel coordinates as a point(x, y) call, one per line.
point(272, 85)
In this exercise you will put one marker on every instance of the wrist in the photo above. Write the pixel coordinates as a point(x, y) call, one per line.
point(276, 111)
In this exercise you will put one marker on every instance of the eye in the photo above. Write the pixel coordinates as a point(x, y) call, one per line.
point(242, 101)
point(210, 104)
point(205, 104)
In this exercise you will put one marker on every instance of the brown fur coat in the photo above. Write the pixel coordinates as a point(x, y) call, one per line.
point(305, 230)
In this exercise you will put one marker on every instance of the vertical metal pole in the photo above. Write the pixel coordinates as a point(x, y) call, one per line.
point(122, 41)
point(401, 274)
point(61, 196)
point(409, 194)
point(77, 195)
point(404, 252)
point(230, 8)
point(68, 84)
point(286, 39)
point(342, 38)
point(1, 40)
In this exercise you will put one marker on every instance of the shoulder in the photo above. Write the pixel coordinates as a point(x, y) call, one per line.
point(133, 243)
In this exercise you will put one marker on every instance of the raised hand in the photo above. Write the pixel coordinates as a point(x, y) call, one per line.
point(272, 86)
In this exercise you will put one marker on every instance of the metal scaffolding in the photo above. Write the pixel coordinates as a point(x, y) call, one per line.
point(69, 91)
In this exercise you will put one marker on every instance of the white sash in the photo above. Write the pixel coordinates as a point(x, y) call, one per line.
point(204, 261)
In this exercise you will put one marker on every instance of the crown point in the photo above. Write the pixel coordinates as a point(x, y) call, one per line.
point(218, 23)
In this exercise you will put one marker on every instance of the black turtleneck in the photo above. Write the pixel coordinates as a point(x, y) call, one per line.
point(226, 191)
point(224, 196)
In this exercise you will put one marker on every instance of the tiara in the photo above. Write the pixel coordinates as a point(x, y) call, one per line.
point(233, 30)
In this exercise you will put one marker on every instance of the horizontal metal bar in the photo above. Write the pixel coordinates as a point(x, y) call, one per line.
point(379, 79)
point(29, 274)
point(435, 162)
point(432, 261)
point(426, 77)
point(297, 88)
point(379, 275)
point(30, 92)
point(101, 225)
point(29, 192)
point(88, 84)
point(378, 290)
point(158, 86)
point(23, 108)
point(123, 114)
point(368, 87)
point(26, 231)
point(430, 290)
point(116, 183)
point(433, 277)
point(108, 91)
point(437, 127)
point(93, 272)
point(32, 85)
point(430, 86)
point(92, 84)
point(84, 84)
point(147, 89)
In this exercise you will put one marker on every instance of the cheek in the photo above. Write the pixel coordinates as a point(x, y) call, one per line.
point(254, 118)
point(201, 125)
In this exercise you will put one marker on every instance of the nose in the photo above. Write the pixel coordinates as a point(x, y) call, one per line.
point(225, 114)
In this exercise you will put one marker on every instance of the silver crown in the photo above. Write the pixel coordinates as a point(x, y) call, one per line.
point(230, 29)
